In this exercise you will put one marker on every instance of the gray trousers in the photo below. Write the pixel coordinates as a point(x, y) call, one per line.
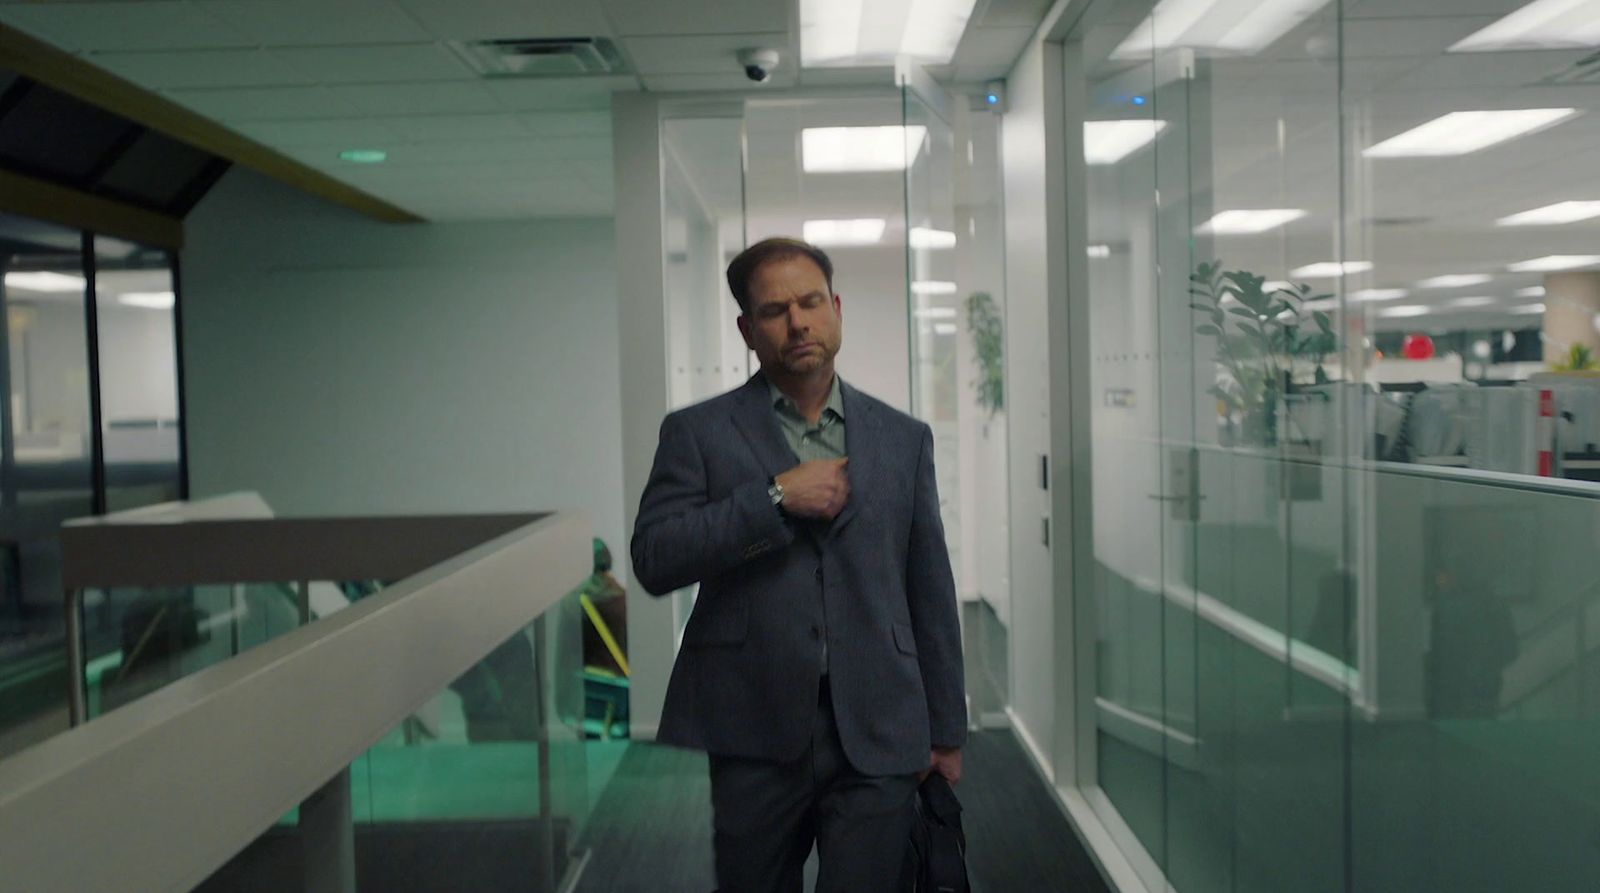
point(767, 815)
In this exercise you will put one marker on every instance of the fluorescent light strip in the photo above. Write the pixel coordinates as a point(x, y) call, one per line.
point(1551, 263)
point(1244, 27)
point(1541, 25)
point(934, 313)
point(1527, 308)
point(924, 239)
point(1331, 269)
point(1405, 311)
point(46, 281)
point(1099, 252)
point(944, 328)
point(1245, 222)
point(1536, 291)
point(832, 150)
point(1455, 280)
point(1108, 142)
point(1272, 285)
point(1379, 294)
point(932, 287)
point(831, 233)
point(855, 32)
point(1474, 301)
point(149, 300)
point(1553, 215)
point(1459, 133)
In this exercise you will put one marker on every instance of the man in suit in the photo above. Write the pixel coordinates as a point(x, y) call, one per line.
point(821, 668)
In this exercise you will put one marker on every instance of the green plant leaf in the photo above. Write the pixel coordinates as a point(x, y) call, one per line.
point(1208, 329)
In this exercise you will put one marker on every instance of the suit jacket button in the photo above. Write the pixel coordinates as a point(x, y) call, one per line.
point(816, 632)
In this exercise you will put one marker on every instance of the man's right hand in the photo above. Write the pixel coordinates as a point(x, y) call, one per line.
point(816, 489)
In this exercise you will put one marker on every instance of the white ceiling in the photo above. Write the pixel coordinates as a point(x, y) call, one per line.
point(1412, 218)
point(311, 78)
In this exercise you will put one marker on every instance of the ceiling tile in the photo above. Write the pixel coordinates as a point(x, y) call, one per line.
point(425, 128)
point(345, 133)
point(523, 149)
point(734, 80)
point(972, 74)
point(442, 97)
point(488, 19)
point(1012, 13)
point(992, 46)
point(264, 104)
point(201, 68)
point(124, 26)
point(867, 76)
point(701, 54)
point(534, 94)
point(388, 63)
point(317, 22)
point(567, 124)
point(698, 16)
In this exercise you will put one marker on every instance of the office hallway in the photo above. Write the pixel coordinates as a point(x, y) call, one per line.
point(651, 830)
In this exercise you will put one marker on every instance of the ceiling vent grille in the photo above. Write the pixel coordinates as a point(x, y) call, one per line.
point(1583, 71)
point(542, 57)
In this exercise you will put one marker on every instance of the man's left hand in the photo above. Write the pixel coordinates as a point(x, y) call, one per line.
point(947, 762)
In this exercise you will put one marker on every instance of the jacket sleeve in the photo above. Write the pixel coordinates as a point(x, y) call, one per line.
point(681, 536)
point(931, 596)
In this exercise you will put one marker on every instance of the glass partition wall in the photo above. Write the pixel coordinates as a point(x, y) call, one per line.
point(1342, 516)
point(92, 423)
point(902, 188)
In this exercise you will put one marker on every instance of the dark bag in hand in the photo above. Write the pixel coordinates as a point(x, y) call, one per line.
point(937, 857)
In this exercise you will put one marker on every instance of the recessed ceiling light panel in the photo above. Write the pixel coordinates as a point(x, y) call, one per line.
point(45, 281)
point(835, 150)
point(1379, 294)
point(1455, 280)
point(1552, 263)
point(1234, 27)
point(858, 32)
point(1242, 222)
point(1554, 215)
point(1331, 269)
point(1459, 133)
point(1108, 142)
point(835, 233)
point(1540, 25)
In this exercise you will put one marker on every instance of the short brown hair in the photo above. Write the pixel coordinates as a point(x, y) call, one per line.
point(765, 251)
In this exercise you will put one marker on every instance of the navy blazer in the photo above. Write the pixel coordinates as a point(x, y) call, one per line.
point(876, 582)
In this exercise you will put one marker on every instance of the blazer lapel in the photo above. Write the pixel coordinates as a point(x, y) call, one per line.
point(756, 421)
point(862, 445)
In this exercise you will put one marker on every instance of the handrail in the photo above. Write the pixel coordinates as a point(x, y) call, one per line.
point(158, 794)
point(265, 550)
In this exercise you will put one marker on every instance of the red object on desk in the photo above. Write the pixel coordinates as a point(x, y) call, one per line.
point(1418, 347)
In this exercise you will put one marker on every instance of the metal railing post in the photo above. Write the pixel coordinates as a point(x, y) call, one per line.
point(327, 837)
point(77, 686)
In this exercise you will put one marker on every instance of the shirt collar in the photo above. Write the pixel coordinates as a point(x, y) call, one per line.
point(835, 403)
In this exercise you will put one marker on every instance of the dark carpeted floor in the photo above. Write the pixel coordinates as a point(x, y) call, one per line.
point(651, 830)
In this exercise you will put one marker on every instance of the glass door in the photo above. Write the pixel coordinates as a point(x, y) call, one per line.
point(955, 304)
point(1218, 530)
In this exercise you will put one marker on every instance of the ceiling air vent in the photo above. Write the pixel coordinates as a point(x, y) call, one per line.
point(542, 57)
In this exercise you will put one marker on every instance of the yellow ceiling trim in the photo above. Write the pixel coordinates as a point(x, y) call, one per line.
point(69, 207)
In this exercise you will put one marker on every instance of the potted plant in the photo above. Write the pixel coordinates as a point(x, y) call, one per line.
point(1262, 336)
point(983, 322)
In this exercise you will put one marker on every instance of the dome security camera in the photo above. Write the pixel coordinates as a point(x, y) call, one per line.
point(758, 63)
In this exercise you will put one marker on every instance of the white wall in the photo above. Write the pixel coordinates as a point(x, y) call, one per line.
point(341, 365)
point(1028, 396)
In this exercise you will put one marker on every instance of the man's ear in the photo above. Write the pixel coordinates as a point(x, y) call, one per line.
point(743, 320)
point(838, 307)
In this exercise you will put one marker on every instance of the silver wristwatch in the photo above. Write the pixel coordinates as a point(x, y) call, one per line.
point(775, 492)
